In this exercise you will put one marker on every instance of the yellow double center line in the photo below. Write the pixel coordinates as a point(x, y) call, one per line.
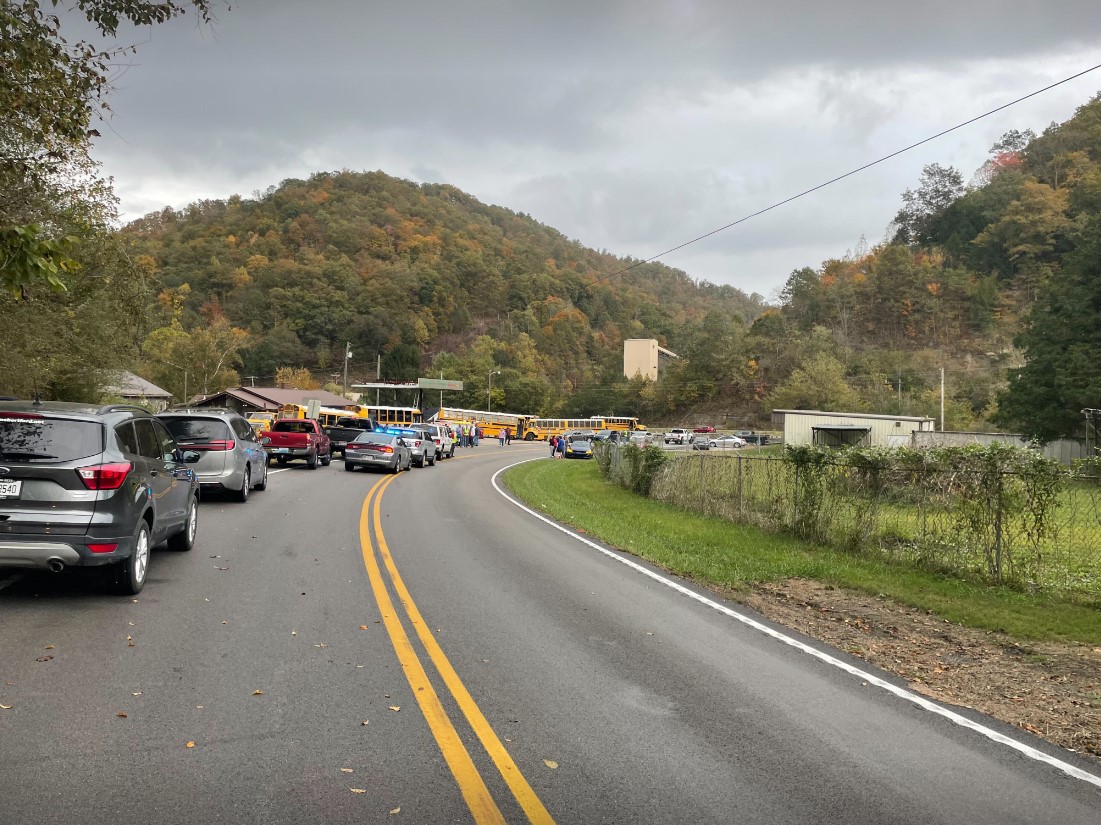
point(471, 784)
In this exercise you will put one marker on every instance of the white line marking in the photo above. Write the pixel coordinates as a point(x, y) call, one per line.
point(902, 693)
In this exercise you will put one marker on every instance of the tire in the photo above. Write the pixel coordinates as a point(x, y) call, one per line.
point(130, 574)
point(263, 483)
point(326, 459)
point(529, 436)
point(432, 463)
point(246, 484)
point(185, 539)
point(281, 460)
point(397, 468)
point(311, 461)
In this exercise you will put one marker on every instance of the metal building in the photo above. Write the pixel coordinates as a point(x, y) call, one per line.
point(836, 429)
point(643, 356)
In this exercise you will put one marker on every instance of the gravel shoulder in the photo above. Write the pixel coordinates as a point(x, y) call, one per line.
point(1051, 690)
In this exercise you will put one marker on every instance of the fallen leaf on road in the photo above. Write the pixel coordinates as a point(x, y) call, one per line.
point(189, 745)
point(225, 622)
point(347, 770)
point(550, 763)
point(9, 707)
point(223, 568)
point(364, 627)
point(396, 811)
point(395, 708)
point(294, 632)
point(121, 714)
point(43, 658)
point(49, 647)
point(136, 694)
point(322, 645)
point(258, 693)
point(358, 790)
point(364, 722)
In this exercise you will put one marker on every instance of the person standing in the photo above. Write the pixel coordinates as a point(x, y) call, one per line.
point(508, 436)
point(553, 445)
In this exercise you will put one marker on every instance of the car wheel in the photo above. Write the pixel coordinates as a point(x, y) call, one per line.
point(185, 539)
point(311, 461)
point(263, 483)
point(242, 494)
point(130, 574)
point(325, 461)
point(281, 460)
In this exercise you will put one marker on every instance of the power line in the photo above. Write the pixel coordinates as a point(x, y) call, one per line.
point(850, 174)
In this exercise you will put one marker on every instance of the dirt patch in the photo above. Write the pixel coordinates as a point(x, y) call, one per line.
point(1051, 690)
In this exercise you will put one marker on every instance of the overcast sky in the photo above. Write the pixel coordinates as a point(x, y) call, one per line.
point(631, 126)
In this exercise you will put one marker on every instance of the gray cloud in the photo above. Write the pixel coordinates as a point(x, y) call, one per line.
point(632, 126)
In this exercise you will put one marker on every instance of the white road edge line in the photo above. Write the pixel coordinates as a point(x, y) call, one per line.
point(902, 693)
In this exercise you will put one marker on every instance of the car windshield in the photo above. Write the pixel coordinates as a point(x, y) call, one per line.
point(30, 438)
point(197, 430)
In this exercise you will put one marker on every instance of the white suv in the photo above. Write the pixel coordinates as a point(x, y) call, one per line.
point(445, 441)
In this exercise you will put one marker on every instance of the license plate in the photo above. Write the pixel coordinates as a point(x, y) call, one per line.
point(10, 489)
point(281, 450)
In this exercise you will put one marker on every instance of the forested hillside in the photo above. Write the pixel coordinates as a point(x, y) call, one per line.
point(424, 276)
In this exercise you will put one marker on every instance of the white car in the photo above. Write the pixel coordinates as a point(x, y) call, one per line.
point(727, 442)
point(445, 441)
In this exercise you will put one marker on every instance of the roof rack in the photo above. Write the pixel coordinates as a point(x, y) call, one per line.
point(121, 408)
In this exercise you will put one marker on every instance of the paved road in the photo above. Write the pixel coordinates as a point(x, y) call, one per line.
point(534, 679)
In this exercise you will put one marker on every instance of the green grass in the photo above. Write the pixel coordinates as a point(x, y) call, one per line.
point(718, 552)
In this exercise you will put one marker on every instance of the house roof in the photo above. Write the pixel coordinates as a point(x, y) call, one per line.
point(877, 416)
point(272, 398)
point(128, 385)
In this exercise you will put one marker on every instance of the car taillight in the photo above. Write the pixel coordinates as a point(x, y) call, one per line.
point(214, 445)
point(353, 446)
point(103, 548)
point(104, 476)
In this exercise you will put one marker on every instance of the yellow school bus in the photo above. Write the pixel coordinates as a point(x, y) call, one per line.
point(619, 422)
point(492, 423)
point(390, 416)
point(543, 428)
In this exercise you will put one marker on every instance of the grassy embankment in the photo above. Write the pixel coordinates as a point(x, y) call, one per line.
point(715, 551)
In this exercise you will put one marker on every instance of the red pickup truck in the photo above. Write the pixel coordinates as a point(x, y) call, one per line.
point(292, 438)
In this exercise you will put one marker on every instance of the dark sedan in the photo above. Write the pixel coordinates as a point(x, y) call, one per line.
point(378, 449)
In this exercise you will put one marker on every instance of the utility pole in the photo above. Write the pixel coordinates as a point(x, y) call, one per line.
point(347, 358)
point(378, 377)
point(900, 395)
point(489, 391)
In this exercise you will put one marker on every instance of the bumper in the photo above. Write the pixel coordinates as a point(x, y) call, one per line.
point(27, 554)
point(388, 463)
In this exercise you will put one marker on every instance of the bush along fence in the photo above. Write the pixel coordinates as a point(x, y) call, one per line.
point(995, 513)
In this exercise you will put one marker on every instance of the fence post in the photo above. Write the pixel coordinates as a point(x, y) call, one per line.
point(701, 482)
point(795, 500)
point(741, 501)
point(998, 529)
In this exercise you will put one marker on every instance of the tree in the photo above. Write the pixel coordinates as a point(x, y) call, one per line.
point(1062, 345)
point(295, 378)
point(818, 385)
point(50, 92)
point(939, 188)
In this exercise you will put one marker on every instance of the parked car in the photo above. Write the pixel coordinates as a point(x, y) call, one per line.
point(640, 438)
point(231, 456)
point(92, 486)
point(752, 437)
point(707, 428)
point(579, 444)
point(292, 438)
point(676, 436)
point(726, 442)
point(378, 449)
point(443, 438)
point(420, 442)
point(347, 429)
point(699, 441)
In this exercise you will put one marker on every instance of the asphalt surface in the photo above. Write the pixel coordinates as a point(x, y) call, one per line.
point(558, 685)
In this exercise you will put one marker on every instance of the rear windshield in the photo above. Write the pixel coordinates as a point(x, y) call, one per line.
point(197, 430)
point(376, 438)
point(48, 439)
point(293, 427)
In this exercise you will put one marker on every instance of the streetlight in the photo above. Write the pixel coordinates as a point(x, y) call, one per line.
point(489, 392)
point(347, 358)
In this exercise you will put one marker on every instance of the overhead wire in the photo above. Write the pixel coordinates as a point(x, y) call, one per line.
point(849, 174)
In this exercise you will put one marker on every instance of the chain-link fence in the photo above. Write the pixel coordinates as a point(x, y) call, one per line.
point(1018, 521)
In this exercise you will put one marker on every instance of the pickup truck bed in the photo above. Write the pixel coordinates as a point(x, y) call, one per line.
point(290, 439)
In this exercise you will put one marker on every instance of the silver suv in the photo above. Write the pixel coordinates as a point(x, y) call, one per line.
point(443, 439)
point(231, 456)
point(89, 486)
point(420, 442)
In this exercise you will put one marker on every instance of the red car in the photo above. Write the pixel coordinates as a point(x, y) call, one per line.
point(706, 429)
